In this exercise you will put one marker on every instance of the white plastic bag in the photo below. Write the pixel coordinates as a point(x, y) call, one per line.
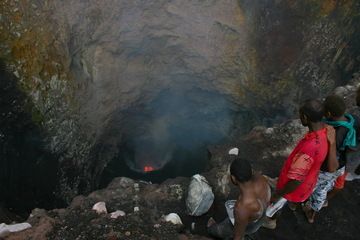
point(200, 196)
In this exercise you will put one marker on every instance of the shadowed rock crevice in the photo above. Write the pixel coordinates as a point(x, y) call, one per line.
point(28, 172)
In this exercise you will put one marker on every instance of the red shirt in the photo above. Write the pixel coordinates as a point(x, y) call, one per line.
point(304, 164)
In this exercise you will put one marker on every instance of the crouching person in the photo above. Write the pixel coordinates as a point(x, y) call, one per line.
point(300, 171)
point(246, 214)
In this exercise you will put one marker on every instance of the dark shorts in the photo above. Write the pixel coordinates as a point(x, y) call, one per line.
point(225, 229)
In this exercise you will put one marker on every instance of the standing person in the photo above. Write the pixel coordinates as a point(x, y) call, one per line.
point(245, 214)
point(332, 175)
point(300, 171)
point(353, 156)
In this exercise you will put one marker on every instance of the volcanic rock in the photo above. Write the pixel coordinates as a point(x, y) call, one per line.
point(85, 64)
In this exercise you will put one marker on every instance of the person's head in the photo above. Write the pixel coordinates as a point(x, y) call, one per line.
point(358, 97)
point(311, 111)
point(240, 171)
point(334, 106)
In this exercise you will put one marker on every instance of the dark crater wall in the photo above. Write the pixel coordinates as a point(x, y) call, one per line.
point(105, 77)
point(28, 172)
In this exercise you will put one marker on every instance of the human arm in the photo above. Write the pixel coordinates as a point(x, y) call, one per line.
point(332, 162)
point(289, 187)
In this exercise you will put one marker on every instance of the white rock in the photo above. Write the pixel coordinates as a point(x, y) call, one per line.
point(6, 229)
point(173, 218)
point(16, 73)
point(117, 214)
point(193, 226)
point(234, 151)
point(350, 88)
point(100, 207)
point(341, 91)
point(136, 187)
point(224, 183)
point(269, 131)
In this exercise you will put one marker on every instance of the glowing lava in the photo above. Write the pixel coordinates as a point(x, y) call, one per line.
point(148, 169)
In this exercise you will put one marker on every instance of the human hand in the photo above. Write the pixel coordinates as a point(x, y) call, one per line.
point(275, 197)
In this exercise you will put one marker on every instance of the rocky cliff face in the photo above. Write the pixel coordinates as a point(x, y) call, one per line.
point(85, 63)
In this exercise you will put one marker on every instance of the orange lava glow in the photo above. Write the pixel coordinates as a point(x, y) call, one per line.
point(148, 169)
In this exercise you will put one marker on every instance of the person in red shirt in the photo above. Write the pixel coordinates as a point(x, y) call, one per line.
point(300, 171)
point(332, 173)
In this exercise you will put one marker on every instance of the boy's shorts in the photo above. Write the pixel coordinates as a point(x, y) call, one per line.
point(325, 183)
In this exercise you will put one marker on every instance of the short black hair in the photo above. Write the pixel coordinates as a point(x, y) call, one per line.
point(335, 105)
point(241, 169)
point(313, 109)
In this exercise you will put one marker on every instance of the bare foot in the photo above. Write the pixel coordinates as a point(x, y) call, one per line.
point(269, 223)
point(210, 222)
point(292, 206)
point(326, 204)
point(309, 213)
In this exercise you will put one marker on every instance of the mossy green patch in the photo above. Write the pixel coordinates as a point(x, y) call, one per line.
point(30, 45)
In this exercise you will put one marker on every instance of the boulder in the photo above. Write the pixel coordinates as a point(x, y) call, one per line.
point(100, 207)
point(173, 218)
